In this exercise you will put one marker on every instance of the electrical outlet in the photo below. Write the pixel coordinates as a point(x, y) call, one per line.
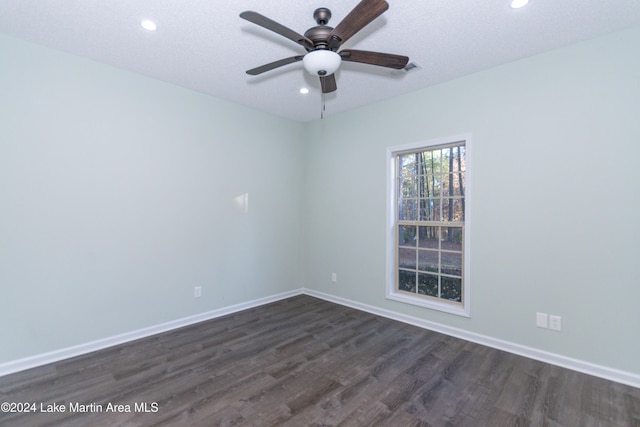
point(555, 323)
point(197, 292)
point(334, 277)
point(542, 320)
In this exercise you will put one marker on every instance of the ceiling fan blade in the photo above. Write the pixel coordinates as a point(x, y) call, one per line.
point(275, 64)
point(388, 60)
point(272, 25)
point(361, 15)
point(328, 83)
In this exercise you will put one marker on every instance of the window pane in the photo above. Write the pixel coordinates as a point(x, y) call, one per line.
point(424, 209)
point(458, 180)
point(433, 183)
point(430, 184)
point(451, 289)
point(407, 258)
point(407, 281)
point(428, 260)
point(407, 163)
point(451, 238)
point(424, 186)
point(408, 187)
point(430, 210)
point(431, 175)
point(459, 158)
point(451, 263)
point(429, 237)
point(452, 210)
point(436, 159)
point(448, 185)
point(407, 235)
point(408, 209)
point(451, 185)
point(428, 284)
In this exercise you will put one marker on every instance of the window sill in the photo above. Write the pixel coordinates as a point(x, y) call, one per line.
point(458, 310)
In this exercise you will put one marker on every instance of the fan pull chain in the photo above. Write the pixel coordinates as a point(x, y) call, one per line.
point(322, 106)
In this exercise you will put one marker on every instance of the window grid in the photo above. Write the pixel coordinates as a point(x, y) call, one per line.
point(430, 207)
point(448, 263)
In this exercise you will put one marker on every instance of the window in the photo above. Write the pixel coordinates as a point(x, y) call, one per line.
point(428, 235)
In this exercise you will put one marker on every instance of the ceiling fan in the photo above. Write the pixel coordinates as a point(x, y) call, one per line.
point(322, 43)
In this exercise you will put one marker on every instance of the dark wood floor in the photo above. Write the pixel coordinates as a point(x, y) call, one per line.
point(308, 362)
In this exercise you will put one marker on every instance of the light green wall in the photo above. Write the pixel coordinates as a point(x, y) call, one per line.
point(556, 138)
point(117, 198)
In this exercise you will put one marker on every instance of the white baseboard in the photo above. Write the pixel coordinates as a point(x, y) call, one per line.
point(616, 375)
point(532, 353)
point(78, 350)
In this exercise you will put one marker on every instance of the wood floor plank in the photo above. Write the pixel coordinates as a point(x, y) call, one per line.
point(303, 361)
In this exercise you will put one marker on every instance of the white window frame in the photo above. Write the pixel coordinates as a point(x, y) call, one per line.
point(463, 309)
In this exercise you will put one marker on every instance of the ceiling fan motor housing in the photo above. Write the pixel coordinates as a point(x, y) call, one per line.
point(319, 36)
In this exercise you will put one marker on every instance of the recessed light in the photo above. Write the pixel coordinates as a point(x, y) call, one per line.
point(517, 4)
point(304, 90)
point(148, 25)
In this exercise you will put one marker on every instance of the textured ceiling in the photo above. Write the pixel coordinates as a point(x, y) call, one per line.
point(205, 46)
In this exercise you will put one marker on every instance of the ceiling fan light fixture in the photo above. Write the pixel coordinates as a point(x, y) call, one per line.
point(321, 62)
